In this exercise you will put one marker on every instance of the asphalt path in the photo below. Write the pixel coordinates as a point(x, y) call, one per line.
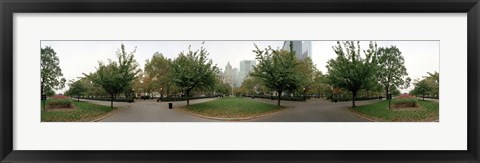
point(313, 110)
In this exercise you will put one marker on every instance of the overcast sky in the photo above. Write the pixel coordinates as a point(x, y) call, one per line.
point(77, 57)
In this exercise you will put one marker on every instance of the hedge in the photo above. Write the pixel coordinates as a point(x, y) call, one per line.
point(168, 99)
point(109, 99)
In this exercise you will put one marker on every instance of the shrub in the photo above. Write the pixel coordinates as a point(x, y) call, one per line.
point(405, 102)
point(59, 103)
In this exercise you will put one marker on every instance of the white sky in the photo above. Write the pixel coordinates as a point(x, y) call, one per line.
point(77, 57)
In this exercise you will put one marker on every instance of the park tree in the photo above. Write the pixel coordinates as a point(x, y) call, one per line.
point(193, 70)
point(51, 73)
point(349, 70)
point(144, 84)
point(77, 88)
point(276, 69)
point(306, 70)
point(116, 77)
point(222, 88)
point(159, 69)
point(392, 73)
point(320, 85)
point(421, 88)
point(433, 81)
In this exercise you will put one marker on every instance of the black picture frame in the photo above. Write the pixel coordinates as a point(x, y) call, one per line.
point(9, 7)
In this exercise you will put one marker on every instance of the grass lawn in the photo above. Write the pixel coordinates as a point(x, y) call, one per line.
point(232, 107)
point(379, 111)
point(84, 111)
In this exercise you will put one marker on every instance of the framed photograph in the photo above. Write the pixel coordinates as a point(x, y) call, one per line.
point(231, 81)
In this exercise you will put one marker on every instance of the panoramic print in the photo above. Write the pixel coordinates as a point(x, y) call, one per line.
point(240, 81)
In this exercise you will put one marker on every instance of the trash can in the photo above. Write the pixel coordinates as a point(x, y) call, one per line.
point(170, 105)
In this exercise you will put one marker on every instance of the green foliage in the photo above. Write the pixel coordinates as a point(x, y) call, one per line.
point(84, 112)
point(77, 88)
point(433, 81)
point(307, 71)
point(392, 69)
point(232, 107)
point(277, 69)
point(116, 77)
point(349, 70)
point(159, 69)
point(50, 72)
point(421, 88)
point(379, 111)
point(222, 88)
point(193, 70)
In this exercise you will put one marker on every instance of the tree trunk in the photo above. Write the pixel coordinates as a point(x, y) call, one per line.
point(386, 93)
point(78, 97)
point(354, 94)
point(111, 101)
point(423, 97)
point(279, 97)
point(188, 98)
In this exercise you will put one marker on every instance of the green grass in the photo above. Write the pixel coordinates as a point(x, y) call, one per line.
point(232, 107)
point(379, 111)
point(84, 112)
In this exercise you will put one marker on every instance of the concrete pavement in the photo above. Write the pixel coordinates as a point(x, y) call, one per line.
point(314, 110)
point(151, 111)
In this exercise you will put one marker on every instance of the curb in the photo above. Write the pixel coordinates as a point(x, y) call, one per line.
point(231, 119)
point(107, 115)
point(362, 116)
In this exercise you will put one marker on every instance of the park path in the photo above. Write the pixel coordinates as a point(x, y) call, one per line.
point(150, 111)
point(314, 110)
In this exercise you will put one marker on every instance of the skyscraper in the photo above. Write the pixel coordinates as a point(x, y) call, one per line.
point(246, 66)
point(303, 49)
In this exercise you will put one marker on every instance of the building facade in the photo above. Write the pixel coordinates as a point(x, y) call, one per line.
point(246, 66)
point(303, 49)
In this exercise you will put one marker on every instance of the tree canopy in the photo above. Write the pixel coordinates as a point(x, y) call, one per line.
point(116, 77)
point(77, 88)
point(159, 69)
point(350, 70)
point(51, 73)
point(277, 69)
point(392, 73)
point(193, 70)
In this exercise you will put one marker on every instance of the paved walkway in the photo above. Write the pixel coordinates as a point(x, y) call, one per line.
point(150, 111)
point(314, 110)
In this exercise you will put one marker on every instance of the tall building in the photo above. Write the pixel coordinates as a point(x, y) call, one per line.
point(303, 49)
point(246, 66)
point(230, 74)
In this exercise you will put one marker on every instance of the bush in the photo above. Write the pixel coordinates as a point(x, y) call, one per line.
point(356, 99)
point(59, 103)
point(405, 102)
